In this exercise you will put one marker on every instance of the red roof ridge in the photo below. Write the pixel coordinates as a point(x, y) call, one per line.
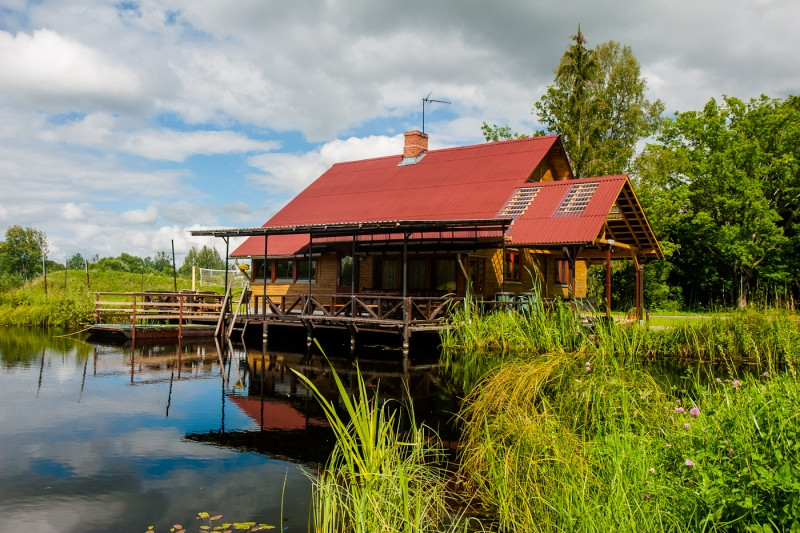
point(487, 144)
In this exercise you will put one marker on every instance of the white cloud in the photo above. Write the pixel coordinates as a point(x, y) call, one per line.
point(141, 216)
point(103, 131)
point(71, 211)
point(172, 145)
point(290, 173)
point(52, 70)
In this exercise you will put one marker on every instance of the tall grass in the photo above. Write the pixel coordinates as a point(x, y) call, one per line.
point(379, 477)
point(475, 345)
point(69, 302)
point(556, 444)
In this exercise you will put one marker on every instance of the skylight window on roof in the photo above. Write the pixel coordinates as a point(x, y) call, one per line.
point(577, 199)
point(519, 203)
point(615, 213)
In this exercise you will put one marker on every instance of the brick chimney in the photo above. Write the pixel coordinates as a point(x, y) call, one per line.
point(416, 144)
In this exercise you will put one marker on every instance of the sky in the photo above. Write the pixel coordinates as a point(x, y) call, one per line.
point(125, 125)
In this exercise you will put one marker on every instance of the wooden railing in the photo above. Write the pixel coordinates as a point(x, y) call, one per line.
point(386, 307)
point(139, 307)
point(369, 307)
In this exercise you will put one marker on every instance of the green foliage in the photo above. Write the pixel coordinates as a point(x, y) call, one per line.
point(76, 262)
point(129, 263)
point(21, 252)
point(603, 443)
point(744, 444)
point(68, 302)
point(208, 524)
point(477, 344)
point(723, 190)
point(597, 104)
point(113, 264)
point(379, 477)
point(496, 133)
point(160, 263)
point(207, 257)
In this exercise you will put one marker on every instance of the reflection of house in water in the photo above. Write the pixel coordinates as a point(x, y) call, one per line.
point(290, 423)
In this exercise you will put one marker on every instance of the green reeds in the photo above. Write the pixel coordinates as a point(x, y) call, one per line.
point(561, 443)
point(569, 443)
point(379, 477)
point(475, 344)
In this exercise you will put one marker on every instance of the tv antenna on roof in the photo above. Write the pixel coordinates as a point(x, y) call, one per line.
point(429, 100)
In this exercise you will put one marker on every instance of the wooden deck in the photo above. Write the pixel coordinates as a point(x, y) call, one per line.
point(142, 315)
point(155, 315)
point(374, 311)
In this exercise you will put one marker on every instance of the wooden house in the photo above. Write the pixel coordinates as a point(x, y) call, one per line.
point(493, 221)
point(554, 224)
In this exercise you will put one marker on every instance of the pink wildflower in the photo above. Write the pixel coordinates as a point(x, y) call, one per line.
point(668, 445)
point(719, 380)
point(766, 374)
point(736, 383)
point(678, 409)
point(646, 495)
point(694, 411)
point(652, 470)
point(686, 425)
point(730, 451)
point(688, 462)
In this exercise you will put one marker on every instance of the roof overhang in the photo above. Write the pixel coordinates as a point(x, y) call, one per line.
point(349, 229)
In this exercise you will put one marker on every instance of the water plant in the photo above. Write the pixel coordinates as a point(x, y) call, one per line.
point(569, 443)
point(382, 475)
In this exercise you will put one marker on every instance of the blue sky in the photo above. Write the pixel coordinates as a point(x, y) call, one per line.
point(124, 125)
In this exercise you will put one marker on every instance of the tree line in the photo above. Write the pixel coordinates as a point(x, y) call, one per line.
point(720, 186)
point(23, 256)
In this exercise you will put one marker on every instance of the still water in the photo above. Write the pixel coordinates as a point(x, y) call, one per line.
point(107, 438)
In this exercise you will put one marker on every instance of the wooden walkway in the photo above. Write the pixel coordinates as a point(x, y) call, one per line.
point(179, 314)
point(155, 315)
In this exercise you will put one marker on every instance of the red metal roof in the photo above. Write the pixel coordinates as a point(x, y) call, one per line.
point(461, 183)
point(467, 183)
point(541, 224)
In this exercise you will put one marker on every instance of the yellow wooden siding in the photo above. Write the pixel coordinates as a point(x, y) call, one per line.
point(533, 266)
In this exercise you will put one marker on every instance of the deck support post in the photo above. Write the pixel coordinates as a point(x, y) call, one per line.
point(133, 321)
point(353, 283)
point(640, 313)
point(405, 297)
point(310, 309)
point(406, 341)
point(608, 281)
point(264, 327)
point(227, 256)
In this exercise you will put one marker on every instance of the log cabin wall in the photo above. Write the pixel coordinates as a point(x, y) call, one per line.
point(532, 265)
point(324, 285)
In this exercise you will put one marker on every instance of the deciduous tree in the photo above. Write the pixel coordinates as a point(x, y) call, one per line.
point(723, 187)
point(22, 250)
point(207, 257)
point(597, 103)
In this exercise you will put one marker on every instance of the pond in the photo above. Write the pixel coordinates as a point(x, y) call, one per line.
point(118, 438)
